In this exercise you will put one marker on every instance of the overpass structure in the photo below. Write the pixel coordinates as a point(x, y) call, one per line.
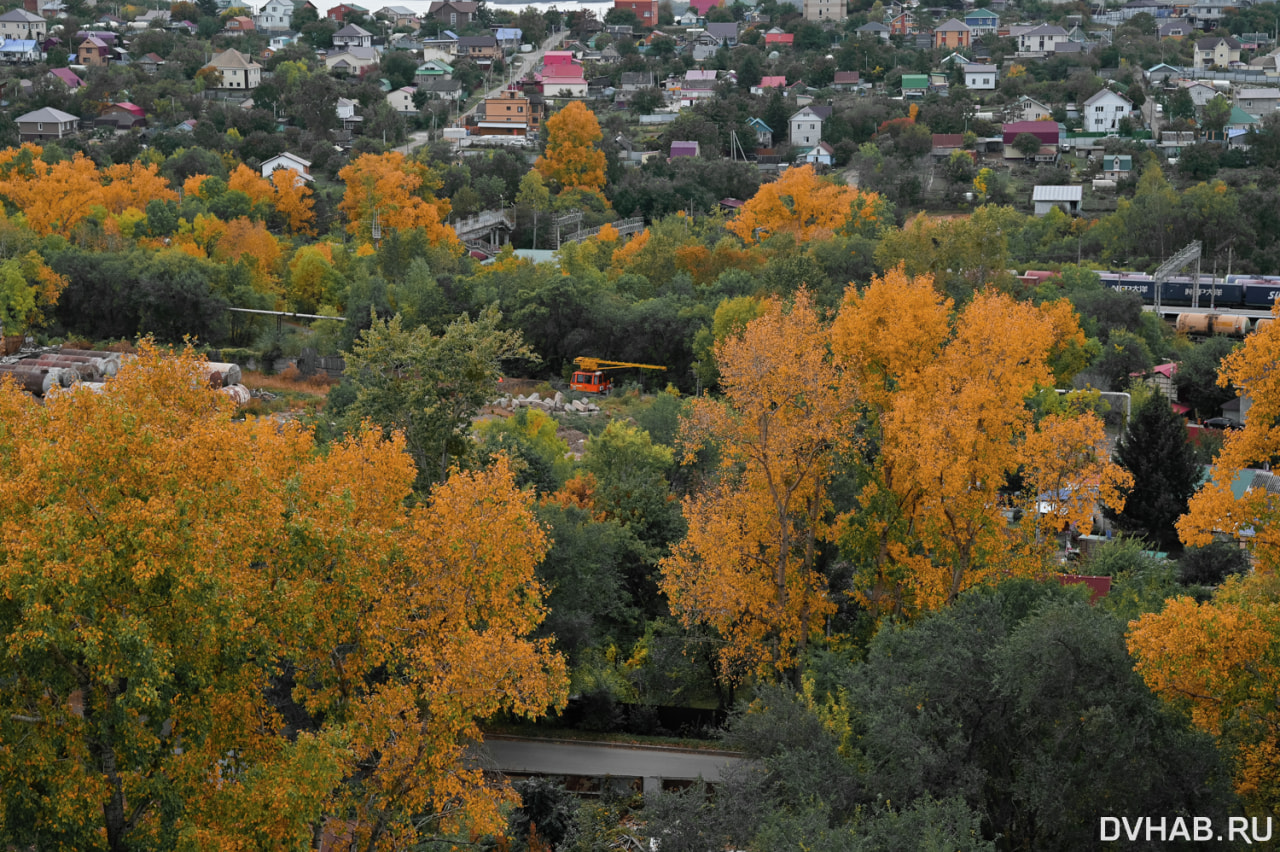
point(592, 766)
point(486, 231)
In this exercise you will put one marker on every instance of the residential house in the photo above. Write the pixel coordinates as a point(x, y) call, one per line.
point(764, 133)
point(562, 81)
point(21, 24)
point(558, 57)
point(351, 61)
point(401, 100)
point(52, 10)
point(1206, 15)
point(634, 81)
point(508, 38)
point(1161, 73)
point(951, 35)
point(292, 162)
point(944, 144)
point(821, 154)
point(66, 77)
point(982, 22)
point(1258, 102)
point(1177, 28)
point(239, 25)
point(915, 85)
point(704, 46)
point(875, 29)
point(1027, 108)
point(1215, 52)
point(981, 78)
point(276, 15)
point(777, 38)
point(342, 11)
point(281, 40)
point(93, 52)
point(821, 11)
point(693, 90)
point(122, 116)
point(432, 69)
point(1065, 198)
point(1117, 166)
point(352, 35)
point(236, 70)
point(509, 114)
point(773, 81)
point(683, 149)
point(441, 89)
point(1103, 112)
point(702, 7)
point(47, 123)
point(724, 33)
point(1050, 133)
point(1041, 40)
point(646, 11)
point(152, 17)
point(846, 81)
point(1240, 121)
point(454, 13)
point(399, 16)
point(345, 109)
point(20, 51)
point(481, 50)
point(151, 63)
point(1201, 93)
point(690, 18)
point(805, 126)
point(903, 25)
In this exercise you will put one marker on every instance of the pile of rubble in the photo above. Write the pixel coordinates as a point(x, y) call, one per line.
point(555, 403)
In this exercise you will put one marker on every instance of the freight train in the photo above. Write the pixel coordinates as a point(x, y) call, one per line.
point(1235, 292)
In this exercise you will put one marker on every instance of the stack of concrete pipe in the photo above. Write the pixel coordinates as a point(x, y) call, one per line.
point(38, 380)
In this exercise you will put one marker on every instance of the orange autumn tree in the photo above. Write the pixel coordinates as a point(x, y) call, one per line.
point(805, 206)
point(1221, 659)
point(948, 400)
point(54, 198)
point(1220, 662)
point(397, 193)
point(219, 637)
point(247, 180)
point(293, 201)
point(573, 158)
point(747, 565)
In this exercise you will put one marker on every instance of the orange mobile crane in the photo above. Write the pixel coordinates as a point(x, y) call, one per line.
point(590, 377)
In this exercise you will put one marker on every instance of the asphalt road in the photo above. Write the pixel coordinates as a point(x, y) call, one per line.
point(559, 757)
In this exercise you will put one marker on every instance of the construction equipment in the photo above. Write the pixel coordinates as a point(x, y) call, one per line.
point(590, 377)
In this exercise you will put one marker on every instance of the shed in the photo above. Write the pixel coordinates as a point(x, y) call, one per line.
point(1065, 198)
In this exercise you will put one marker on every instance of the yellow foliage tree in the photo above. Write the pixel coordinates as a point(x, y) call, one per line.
point(1215, 508)
point(398, 193)
point(246, 180)
point(747, 565)
point(54, 198)
point(218, 637)
point(573, 158)
point(1220, 661)
point(951, 408)
point(805, 206)
point(293, 201)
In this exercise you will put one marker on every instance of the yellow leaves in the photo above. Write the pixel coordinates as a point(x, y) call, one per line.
point(293, 201)
point(1251, 368)
point(1220, 661)
point(803, 205)
point(572, 159)
point(246, 180)
point(746, 565)
point(167, 562)
point(55, 198)
point(397, 194)
point(952, 409)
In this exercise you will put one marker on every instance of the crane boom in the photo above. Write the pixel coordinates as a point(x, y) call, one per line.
point(600, 364)
point(590, 377)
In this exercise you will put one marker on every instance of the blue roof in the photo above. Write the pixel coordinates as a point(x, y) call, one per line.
point(450, 34)
point(507, 33)
point(758, 124)
point(18, 44)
